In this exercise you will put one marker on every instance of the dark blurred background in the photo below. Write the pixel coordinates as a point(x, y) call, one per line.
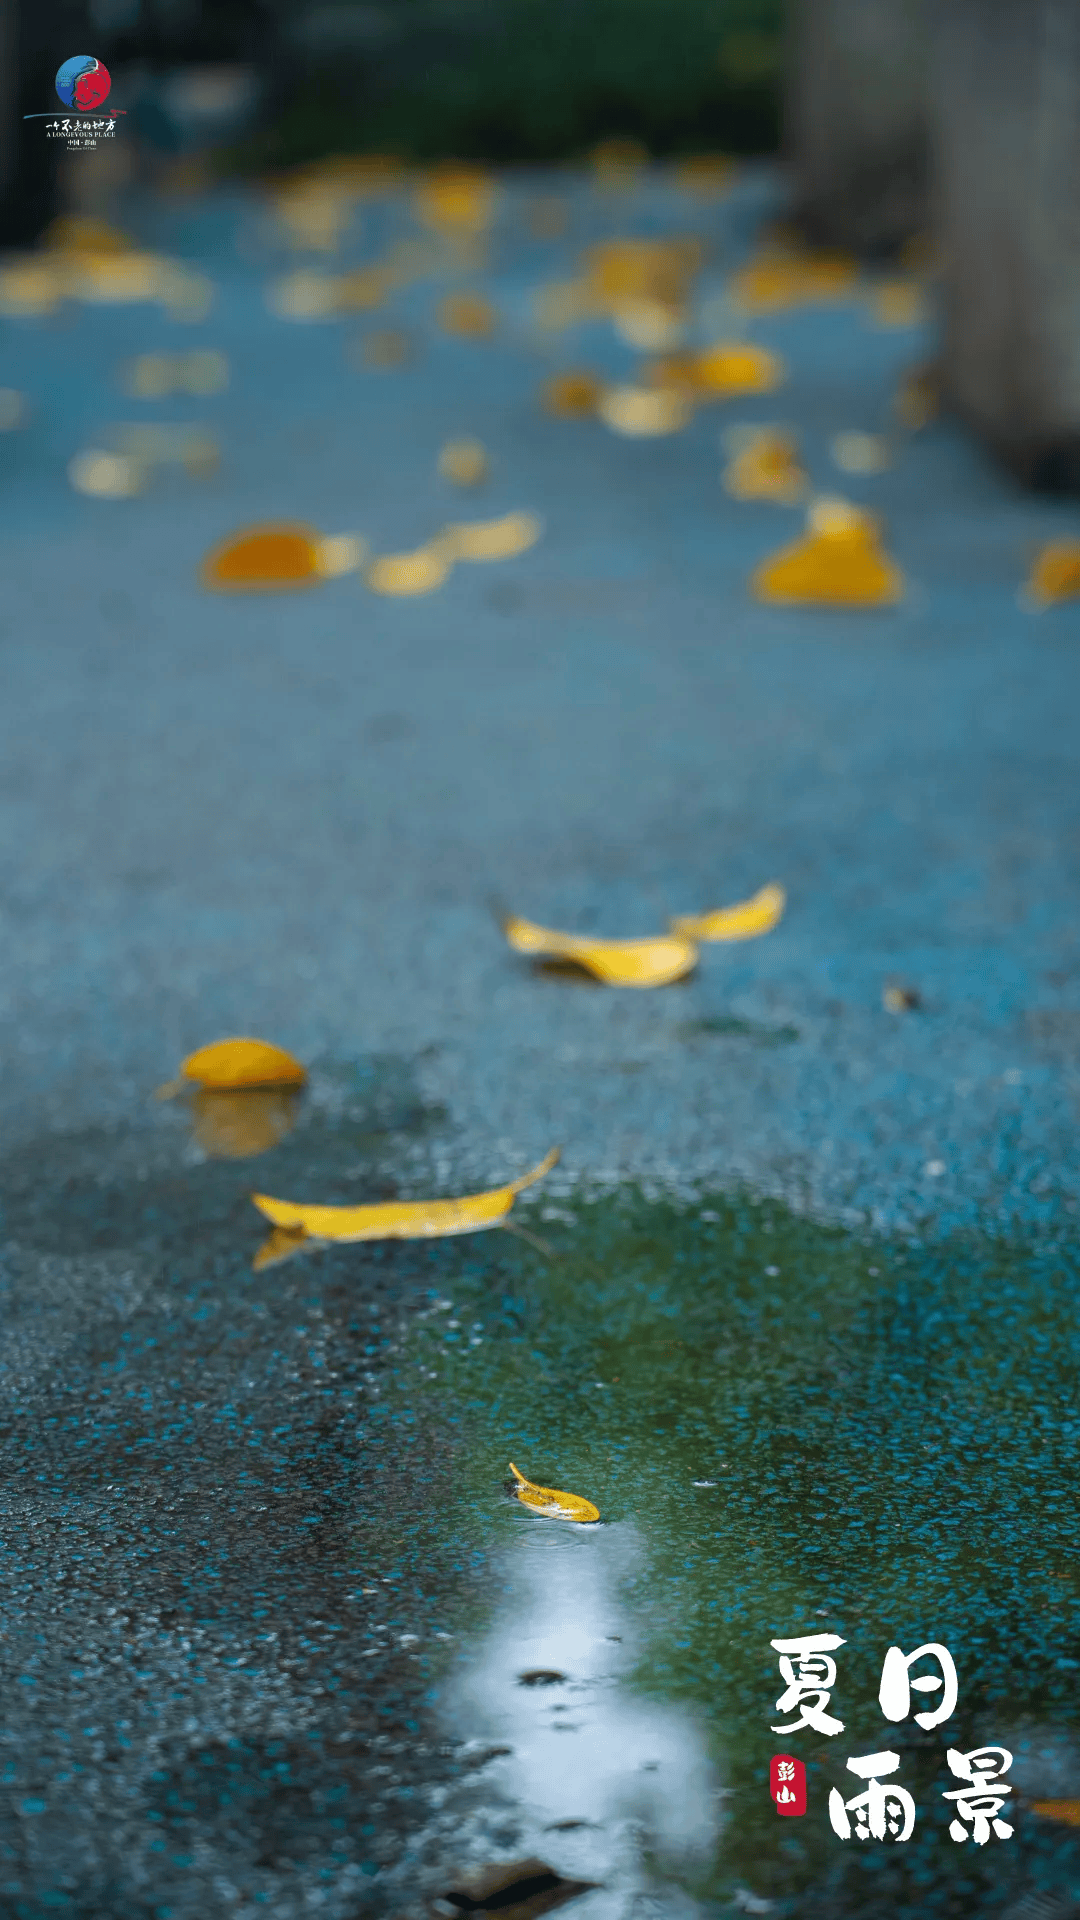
point(271, 83)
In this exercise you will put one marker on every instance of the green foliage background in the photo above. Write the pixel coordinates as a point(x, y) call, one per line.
point(529, 80)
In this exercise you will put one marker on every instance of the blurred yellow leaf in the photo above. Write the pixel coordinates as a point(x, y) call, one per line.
point(409, 573)
point(654, 962)
point(304, 295)
point(766, 467)
point(339, 553)
point(264, 559)
point(238, 1123)
point(657, 270)
point(30, 287)
point(737, 367)
point(403, 1219)
point(107, 476)
point(464, 462)
point(553, 1505)
point(777, 281)
point(570, 396)
point(282, 1244)
point(1065, 1811)
point(467, 314)
point(760, 914)
point(1055, 574)
point(856, 452)
point(237, 1063)
point(456, 198)
point(650, 325)
point(840, 563)
point(492, 539)
point(644, 412)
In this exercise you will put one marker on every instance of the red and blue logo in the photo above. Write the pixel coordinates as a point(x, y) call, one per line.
point(83, 83)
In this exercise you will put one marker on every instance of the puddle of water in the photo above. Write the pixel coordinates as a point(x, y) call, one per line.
point(787, 1432)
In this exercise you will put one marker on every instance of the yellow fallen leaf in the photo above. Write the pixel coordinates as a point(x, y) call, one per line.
point(107, 476)
point(339, 553)
point(732, 367)
point(264, 560)
point(29, 288)
point(1055, 574)
point(305, 295)
point(918, 398)
point(409, 573)
point(237, 1063)
point(650, 325)
point(238, 1123)
point(492, 539)
point(467, 314)
point(571, 396)
point(640, 413)
point(781, 280)
point(464, 462)
point(840, 563)
point(1065, 1811)
point(766, 467)
point(454, 198)
point(555, 1506)
point(118, 279)
point(403, 1219)
point(658, 270)
point(855, 452)
point(760, 914)
point(618, 963)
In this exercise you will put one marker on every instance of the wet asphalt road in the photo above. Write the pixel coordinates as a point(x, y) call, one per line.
point(287, 816)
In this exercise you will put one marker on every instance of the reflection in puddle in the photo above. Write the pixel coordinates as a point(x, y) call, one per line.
point(238, 1123)
point(600, 1779)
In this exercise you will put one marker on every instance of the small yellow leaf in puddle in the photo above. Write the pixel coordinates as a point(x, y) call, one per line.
point(492, 539)
point(782, 279)
point(898, 303)
point(650, 325)
point(29, 288)
point(106, 476)
point(553, 1505)
point(467, 314)
point(339, 553)
point(918, 398)
point(1055, 574)
point(264, 559)
point(1067, 1812)
point(766, 467)
point(464, 462)
point(641, 413)
point(618, 963)
point(239, 1123)
point(760, 914)
point(408, 573)
point(572, 396)
point(236, 1063)
point(840, 563)
point(403, 1219)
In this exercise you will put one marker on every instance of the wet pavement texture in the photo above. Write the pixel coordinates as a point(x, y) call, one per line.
point(267, 1602)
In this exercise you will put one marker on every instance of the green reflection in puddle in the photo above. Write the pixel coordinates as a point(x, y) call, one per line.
point(891, 1431)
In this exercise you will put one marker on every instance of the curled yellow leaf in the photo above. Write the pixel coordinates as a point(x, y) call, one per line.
point(238, 1063)
point(402, 1219)
point(840, 563)
point(760, 914)
point(732, 367)
point(618, 963)
point(554, 1505)
point(492, 539)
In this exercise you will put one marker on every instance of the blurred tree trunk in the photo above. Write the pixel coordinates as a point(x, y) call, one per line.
point(856, 120)
point(1006, 112)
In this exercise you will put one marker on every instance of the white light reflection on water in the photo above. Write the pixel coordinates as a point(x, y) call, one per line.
point(585, 1748)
